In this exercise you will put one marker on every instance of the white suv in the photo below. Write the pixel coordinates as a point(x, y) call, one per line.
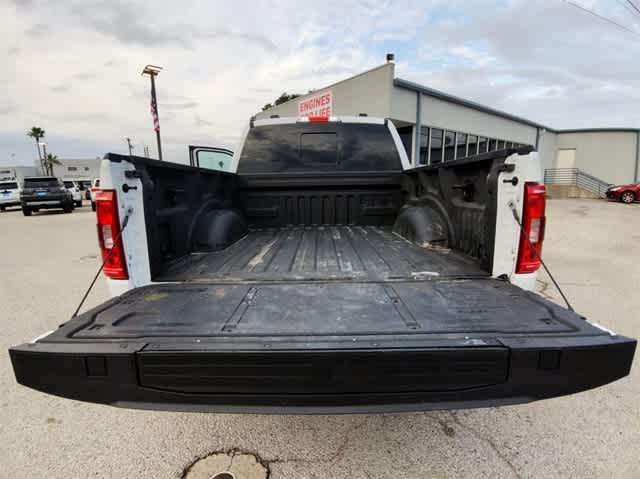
point(95, 185)
point(73, 188)
point(9, 194)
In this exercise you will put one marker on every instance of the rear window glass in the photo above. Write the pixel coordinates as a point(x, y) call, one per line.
point(9, 186)
point(40, 182)
point(319, 147)
point(68, 184)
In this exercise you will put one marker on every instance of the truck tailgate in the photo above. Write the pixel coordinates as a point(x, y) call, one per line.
point(323, 346)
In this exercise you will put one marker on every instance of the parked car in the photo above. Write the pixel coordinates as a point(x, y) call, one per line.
point(76, 194)
point(625, 193)
point(85, 187)
point(44, 192)
point(95, 186)
point(9, 194)
point(321, 272)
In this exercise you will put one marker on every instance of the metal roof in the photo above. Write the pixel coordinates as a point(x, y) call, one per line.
point(485, 109)
point(461, 101)
point(599, 130)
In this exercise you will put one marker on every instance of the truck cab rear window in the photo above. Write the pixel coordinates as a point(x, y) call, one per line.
point(319, 147)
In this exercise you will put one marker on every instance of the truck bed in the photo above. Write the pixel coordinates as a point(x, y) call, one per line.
point(319, 281)
point(366, 253)
point(319, 319)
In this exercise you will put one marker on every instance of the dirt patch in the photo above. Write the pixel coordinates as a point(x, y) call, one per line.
point(155, 296)
point(580, 211)
point(447, 429)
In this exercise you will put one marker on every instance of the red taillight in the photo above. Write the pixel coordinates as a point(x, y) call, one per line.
point(532, 233)
point(318, 119)
point(115, 266)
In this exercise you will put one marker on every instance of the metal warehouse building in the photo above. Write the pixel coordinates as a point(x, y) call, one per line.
point(452, 127)
point(77, 169)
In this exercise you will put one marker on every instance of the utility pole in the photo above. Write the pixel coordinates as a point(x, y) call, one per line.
point(128, 140)
point(153, 71)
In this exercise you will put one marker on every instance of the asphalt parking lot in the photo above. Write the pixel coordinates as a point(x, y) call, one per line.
point(46, 261)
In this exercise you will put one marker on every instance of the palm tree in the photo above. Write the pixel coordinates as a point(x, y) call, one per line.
point(49, 161)
point(37, 133)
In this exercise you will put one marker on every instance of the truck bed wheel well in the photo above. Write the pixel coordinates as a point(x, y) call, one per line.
point(424, 223)
point(216, 229)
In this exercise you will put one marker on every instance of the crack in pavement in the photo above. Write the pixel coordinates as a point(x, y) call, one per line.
point(267, 463)
point(229, 452)
point(489, 442)
point(446, 429)
point(233, 455)
point(339, 454)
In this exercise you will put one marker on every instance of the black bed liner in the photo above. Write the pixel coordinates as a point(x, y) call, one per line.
point(322, 253)
point(317, 309)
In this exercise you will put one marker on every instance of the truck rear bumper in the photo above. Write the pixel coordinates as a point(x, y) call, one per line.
point(332, 376)
point(48, 203)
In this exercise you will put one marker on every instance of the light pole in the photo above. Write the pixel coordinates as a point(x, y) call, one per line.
point(153, 71)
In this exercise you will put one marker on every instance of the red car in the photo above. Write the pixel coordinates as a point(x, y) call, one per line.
point(624, 193)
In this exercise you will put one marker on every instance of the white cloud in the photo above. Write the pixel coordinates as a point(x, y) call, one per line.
point(546, 61)
point(73, 67)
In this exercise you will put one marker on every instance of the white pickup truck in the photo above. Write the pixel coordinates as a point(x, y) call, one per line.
point(321, 272)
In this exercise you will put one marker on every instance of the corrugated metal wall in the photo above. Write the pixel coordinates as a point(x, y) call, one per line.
point(608, 155)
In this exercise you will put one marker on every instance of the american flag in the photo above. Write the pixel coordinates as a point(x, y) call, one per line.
point(154, 114)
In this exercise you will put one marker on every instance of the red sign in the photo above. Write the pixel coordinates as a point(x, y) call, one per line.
point(320, 104)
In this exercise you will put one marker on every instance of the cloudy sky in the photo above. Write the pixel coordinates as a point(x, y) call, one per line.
point(73, 67)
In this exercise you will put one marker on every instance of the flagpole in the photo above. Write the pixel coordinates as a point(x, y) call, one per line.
point(152, 71)
point(155, 102)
